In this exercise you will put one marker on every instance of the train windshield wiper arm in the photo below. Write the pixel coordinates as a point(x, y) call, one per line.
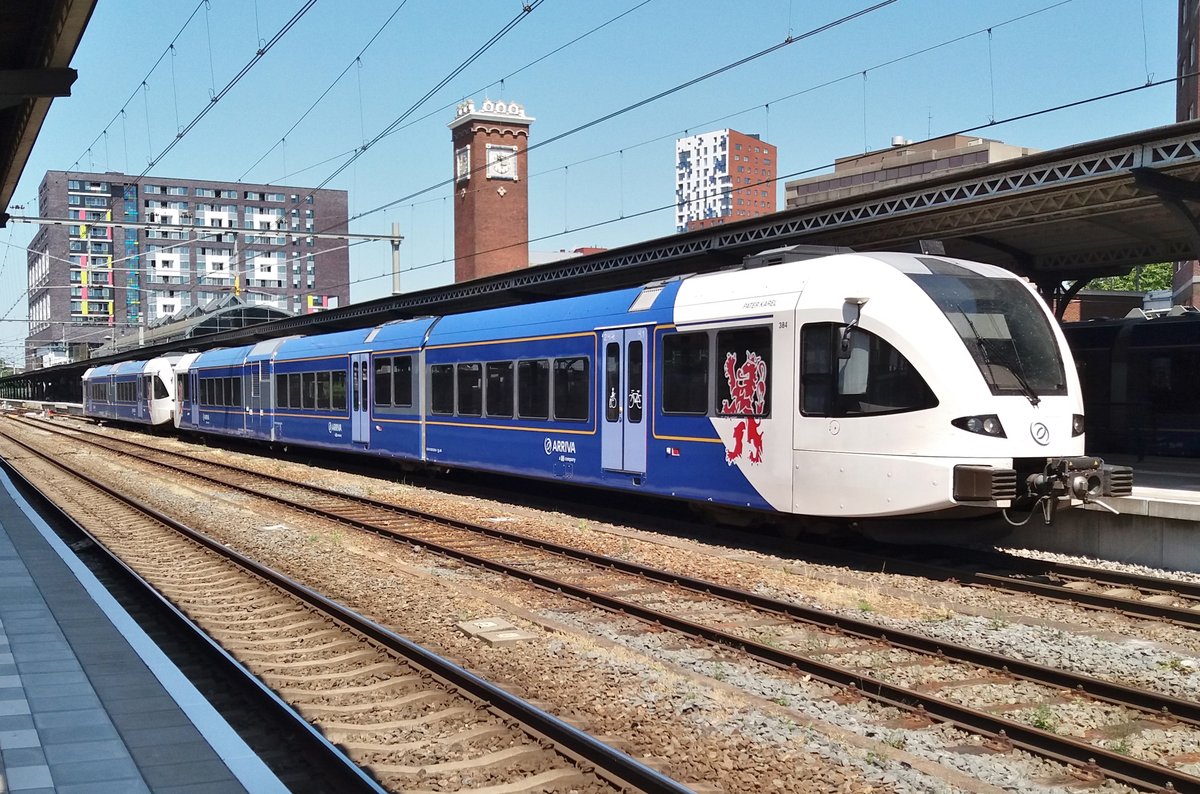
point(985, 351)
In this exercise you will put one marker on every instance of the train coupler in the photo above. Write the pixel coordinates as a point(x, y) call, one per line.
point(1084, 478)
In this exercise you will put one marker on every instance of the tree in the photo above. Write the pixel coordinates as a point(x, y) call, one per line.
point(1150, 277)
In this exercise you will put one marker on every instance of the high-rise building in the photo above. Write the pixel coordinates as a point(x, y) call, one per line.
point(130, 253)
point(491, 193)
point(722, 176)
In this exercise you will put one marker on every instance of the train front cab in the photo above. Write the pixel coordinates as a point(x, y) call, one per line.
point(130, 391)
point(936, 387)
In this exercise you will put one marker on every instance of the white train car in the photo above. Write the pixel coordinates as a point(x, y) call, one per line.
point(139, 392)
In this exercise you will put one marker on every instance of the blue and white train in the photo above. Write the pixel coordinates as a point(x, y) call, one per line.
point(851, 386)
point(132, 391)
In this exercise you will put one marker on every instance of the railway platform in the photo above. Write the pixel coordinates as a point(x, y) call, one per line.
point(1158, 525)
point(88, 703)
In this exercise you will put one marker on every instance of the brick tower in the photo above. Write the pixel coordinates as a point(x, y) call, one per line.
point(491, 197)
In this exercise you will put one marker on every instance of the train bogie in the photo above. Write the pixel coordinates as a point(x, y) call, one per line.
point(853, 386)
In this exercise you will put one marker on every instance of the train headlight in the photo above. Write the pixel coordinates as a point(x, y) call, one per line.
point(1076, 425)
point(984, 425)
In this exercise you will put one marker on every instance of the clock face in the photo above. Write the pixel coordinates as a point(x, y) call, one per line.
point(462, 164)
point(501, 162)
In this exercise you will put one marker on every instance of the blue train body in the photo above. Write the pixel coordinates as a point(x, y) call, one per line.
point(940, 386)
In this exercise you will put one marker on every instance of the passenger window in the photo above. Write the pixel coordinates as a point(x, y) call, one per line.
point(685, 374)
point(744, 358)
point(441, 389)
point(571, 391)
point(310, 389)
point(874, 378)
point(323, 390)
point(499, 388)
point(338, 391)
point(533, 389)
point(383, 381)
point(634, 401)
point(402, 381)
point(235, 392)
point(294, 390)
point(354, 384)
point(470, 390)
point(612, 382)
point(281, 391)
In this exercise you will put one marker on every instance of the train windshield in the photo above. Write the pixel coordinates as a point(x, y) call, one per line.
point(1003, 327)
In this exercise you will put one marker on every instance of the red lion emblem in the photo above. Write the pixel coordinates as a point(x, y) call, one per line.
point(747, 395)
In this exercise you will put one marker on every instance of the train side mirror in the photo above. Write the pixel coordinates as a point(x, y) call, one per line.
point(844, 347)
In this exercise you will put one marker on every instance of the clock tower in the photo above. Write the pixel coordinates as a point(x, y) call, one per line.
point(491, 195)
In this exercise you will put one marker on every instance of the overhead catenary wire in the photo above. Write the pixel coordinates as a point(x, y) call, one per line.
point(794, 174)
point(777, 100)
point(357, 60)
point(800, 173)
point(660, 95)
point(258, 56)
point(526, 10)
point(133, 95)
point(287, 176)
point(622, 151)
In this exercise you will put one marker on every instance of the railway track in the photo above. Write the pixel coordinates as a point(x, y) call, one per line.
point(409, 718)
point(1134, 595)
point(869, 657)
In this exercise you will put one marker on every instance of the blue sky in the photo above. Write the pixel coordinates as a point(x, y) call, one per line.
point(931, 68)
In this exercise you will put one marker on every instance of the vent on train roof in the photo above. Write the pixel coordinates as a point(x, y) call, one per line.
point(645, 298)
point(792, 253)
point(650, 291)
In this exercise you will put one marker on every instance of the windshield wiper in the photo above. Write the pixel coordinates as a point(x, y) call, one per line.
point(984, 348)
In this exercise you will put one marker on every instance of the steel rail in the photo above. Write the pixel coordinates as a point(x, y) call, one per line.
point(1040, 742)
point(1036, 567)
point(901, 563)
point(316, 742)
point(614, 765)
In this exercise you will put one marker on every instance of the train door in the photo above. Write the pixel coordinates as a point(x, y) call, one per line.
point(194, 391)
point(623, 420)
point(360, 397)
point(144, 392)
point(254, 397)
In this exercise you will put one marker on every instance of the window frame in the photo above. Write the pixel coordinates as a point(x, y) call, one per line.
point(835, 406)
point(718, 368)
point(532, 364)
point(510, 393)
point(705, 369)
point(439, 401)
point(581, 398)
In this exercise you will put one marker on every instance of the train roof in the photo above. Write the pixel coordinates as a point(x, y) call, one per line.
point(621, 307)
point(309, 346)
point(222, 357)
point(120, 368)
point(266, 349)
point(400, 333)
